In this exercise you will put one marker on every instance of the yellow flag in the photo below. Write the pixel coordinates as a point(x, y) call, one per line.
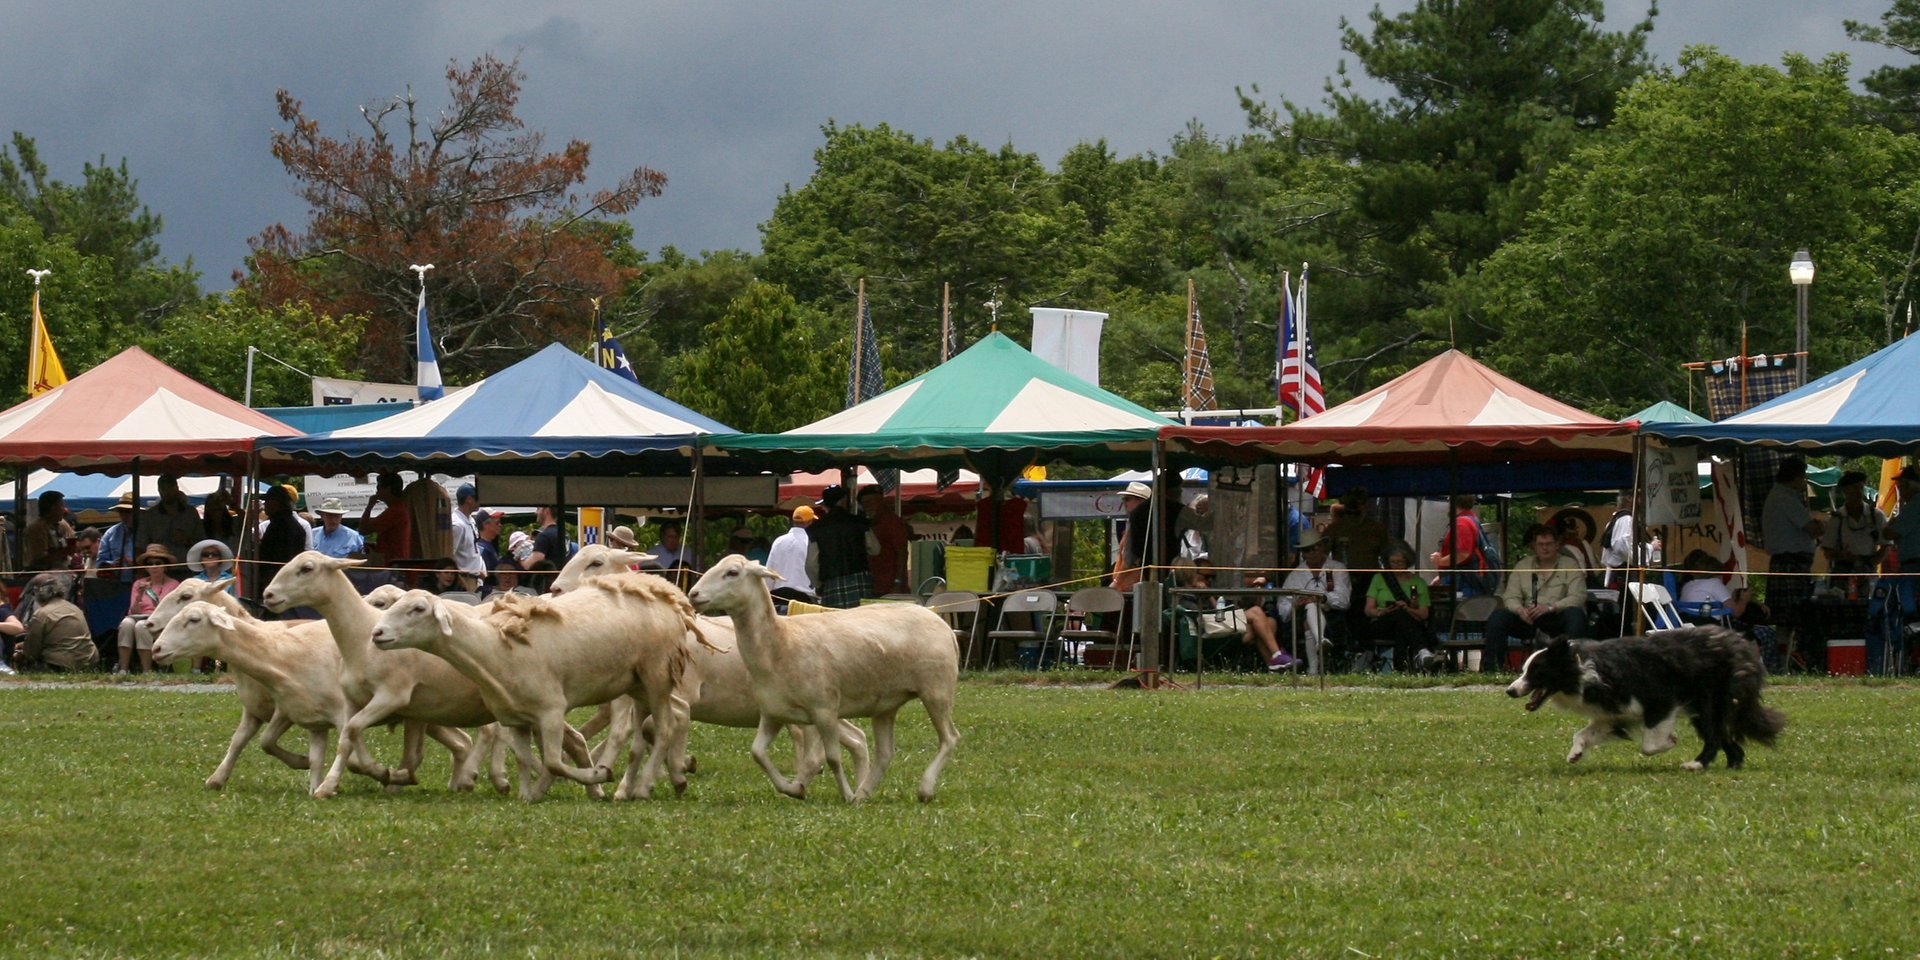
point(1034, 472)
point(44, 371)
point(1889, 496)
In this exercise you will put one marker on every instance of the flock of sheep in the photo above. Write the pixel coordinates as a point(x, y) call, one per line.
point(511, 668)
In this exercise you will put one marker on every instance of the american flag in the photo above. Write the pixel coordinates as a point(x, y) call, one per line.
point(864, 381)
point(1196, 387)
point(1299, 373)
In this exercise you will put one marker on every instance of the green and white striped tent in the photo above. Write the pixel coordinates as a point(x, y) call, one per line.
point(994, 409)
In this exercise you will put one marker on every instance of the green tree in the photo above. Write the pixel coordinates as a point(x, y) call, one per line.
point(1894, 91)
point(78, 300)
point(209, 343)
point(101, 217)
point(670, 302)
point(907, 217)
point(1487, 97)
point(764, 366)
point(1660, 239)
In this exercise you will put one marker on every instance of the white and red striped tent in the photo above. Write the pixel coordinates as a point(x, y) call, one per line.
point(133, 414)
point(1449, 407)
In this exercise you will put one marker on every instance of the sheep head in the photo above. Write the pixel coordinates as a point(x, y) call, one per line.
point(730, 584)
point(305, 580)
point(594, 560)
point(383, 596)
point(193, 632)
point(416, 619)
point(189, 591)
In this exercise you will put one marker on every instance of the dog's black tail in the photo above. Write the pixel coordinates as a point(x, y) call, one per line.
point(1752, 720)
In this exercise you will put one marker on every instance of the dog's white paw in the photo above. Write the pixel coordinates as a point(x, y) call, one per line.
point(1693, 765)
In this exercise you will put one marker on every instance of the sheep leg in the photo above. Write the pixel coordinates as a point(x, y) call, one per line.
point(534, 776)
point(939, 706)
point(410, 753)
point(459, 745)
point(575, 745)
point(809, 758)
point(466, 772)
point(669, 715)
point(769, 728)
point(351, 752)
point(496, 757)
point(551, 729)
point(828, 727)
point(882, 754)
point(277, 727)
point(616, 717)
point(316, 759)
point(600, 720)
point(242, 735)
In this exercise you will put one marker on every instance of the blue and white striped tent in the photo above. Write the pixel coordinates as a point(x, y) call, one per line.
point(554, 405)
point(1868, 407)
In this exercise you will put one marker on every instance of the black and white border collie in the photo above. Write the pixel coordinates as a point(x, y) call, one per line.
point(1711, 674)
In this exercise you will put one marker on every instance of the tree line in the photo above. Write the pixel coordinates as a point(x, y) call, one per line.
point(1533, 188)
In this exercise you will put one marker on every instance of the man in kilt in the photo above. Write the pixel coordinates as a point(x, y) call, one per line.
point(1790, 533)
point(846, 540)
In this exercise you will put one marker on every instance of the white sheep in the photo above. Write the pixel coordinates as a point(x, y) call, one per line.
point(305, 688)
point(535, 658)
point(405, 685)
point(817, 669)
point(722, 689)
point(256, 703)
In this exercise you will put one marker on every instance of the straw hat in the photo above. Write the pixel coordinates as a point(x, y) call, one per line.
point(155, 552)
point(1138, 489)
point(622, 537)
point(332, 505)
point(1308, 538)
point(125, 502)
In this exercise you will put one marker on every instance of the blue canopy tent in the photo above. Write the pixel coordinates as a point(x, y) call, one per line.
point(552, 406)
point(1868, 407)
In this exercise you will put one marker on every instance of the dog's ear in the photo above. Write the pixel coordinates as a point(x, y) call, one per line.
point(1559, 645)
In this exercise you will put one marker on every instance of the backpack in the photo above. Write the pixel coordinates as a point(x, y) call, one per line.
point(1486, 580)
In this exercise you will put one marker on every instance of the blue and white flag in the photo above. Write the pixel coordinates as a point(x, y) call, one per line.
point(607, 352)
point(428, 368)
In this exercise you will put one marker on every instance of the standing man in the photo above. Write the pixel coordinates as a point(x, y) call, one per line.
point(171, 521)
point(336, 539)
point(48, 539)
point(796, 558)
point(846, 544)
point(889, 566)
point(1545, 591)
point(1622, 544)
point(1790, 532)
point(1856, 541)
point(466, 538)
point(550, 545)
point(486, 525)
point(392, 529)
point(116, 545)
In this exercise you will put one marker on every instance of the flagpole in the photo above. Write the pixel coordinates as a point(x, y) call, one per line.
point(1186, 363)
point(599, 333)
point(859, 311)
point(946, 322)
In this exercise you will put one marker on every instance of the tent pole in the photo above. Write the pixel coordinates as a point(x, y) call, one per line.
point(19, 526)
point(133, 532)
point(247, 543)
point(1635, 571)
point(696, 523)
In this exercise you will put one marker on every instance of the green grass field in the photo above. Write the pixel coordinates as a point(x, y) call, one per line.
point(1260, 820)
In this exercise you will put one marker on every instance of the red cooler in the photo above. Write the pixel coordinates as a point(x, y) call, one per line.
point(1847, 658)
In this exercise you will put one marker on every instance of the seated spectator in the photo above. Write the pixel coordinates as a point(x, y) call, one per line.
point(1218, 619)
point(212, 560)
point(148, 591)
point(743, 542)
point(670, 552)
point(1397, 607)
point(1545, 591)
point(1573, 543)
point(506, 579)
point(86, 550)
point(446, 579)
point(10, 629)
point(1701, 582)
point(1322, 584)
point(621, 537)
point(57, 638)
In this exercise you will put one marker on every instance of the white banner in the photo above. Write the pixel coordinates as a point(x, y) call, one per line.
point(329, 391)
point(1673, 486)
point(1069, 339)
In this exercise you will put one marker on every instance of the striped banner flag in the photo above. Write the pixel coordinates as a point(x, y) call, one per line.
point(427, 362)
point(606, 348)
point(864, 380)
point(1299, 372)
point(1196, 380)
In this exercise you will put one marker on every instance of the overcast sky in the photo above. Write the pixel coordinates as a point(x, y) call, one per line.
point(726, 98)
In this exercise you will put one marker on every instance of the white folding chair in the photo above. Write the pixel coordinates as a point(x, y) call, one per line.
point(1658, 603)
point(961, 610)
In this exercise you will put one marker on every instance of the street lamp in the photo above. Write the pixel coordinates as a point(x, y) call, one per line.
point(1801, 271)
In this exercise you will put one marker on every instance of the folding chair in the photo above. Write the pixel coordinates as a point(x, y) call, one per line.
point(1107, 603)
point(1470, 611)
point(1038, 606)
point(1658, 603)
point(1697, 609)
point(952, 605)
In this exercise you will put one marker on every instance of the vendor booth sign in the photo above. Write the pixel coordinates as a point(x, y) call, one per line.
point(1672, 482)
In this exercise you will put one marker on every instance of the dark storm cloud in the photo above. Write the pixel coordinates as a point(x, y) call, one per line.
point(726, 98)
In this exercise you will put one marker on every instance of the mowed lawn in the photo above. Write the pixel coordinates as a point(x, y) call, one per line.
point(1239, 821)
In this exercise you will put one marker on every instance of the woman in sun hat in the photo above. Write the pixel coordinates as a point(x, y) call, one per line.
point(211, 560)
point(148, 591)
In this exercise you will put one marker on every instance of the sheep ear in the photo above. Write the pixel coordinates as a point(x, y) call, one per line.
point(443, 618)
point(220, 584)
point(220, 618)
point(762, 572)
